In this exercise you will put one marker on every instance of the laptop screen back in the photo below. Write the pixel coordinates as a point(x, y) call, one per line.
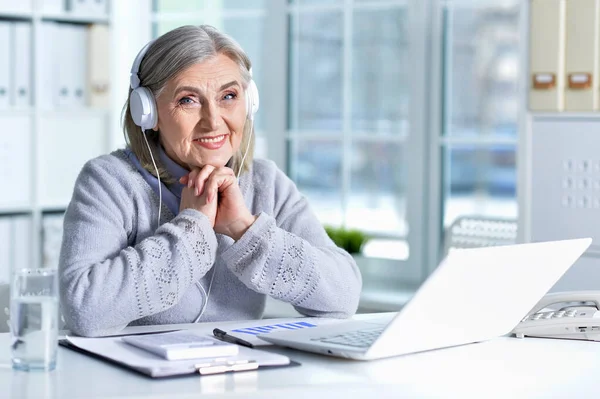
point(478, 294)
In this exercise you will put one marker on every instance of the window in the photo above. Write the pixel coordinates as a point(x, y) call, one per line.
point(348, 115)
point(480, 104)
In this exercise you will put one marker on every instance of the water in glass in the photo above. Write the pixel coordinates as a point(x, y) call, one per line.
point(34, 320)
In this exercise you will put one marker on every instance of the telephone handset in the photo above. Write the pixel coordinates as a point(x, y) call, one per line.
point(578, 318)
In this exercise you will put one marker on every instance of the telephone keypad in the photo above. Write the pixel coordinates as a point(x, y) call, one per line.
point(554, 315)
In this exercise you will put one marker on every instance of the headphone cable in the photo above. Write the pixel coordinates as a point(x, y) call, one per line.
point(246, 152)
point(157, 176)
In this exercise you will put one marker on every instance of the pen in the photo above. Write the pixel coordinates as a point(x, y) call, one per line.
point(223, 336)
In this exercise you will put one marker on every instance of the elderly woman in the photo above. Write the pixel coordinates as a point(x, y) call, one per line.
point(183, 225)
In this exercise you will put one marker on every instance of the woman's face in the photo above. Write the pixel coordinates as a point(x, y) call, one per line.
point(202, 112)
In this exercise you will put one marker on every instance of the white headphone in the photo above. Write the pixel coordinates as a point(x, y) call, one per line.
point(143, 105)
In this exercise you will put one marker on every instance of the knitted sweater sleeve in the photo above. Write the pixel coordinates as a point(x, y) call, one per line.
point(106, 282)
point(289, 256)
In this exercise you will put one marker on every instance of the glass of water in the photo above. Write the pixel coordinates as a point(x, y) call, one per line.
point(34, 318)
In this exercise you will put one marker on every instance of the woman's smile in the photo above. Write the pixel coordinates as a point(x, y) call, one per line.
point(211, 143)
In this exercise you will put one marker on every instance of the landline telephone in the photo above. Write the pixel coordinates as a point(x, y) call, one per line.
point(577, 318)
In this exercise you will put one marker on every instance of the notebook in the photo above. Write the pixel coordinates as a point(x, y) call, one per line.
point(182, 345)
point(115, 350)
point(474, 295)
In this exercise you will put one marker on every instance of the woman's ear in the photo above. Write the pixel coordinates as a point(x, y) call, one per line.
point(155, 128)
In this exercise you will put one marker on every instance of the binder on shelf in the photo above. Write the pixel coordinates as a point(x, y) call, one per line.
point(47, 37)
point(22, 65)
point(5, 64)
point(98, 66)
point(581, 55)
point(79, 61)
point(65, 96)
point(62, 94)
point(547, 55)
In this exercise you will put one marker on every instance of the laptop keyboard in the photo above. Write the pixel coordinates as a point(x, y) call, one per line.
point(358, 338)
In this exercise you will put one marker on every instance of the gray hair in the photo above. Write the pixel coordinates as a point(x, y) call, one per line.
point(166, 57)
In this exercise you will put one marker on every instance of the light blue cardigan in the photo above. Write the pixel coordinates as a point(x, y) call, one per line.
point(117, 269)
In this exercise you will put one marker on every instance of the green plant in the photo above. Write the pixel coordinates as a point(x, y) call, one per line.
point(349, 239)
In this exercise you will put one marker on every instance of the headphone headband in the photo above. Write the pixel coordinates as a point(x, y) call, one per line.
point(134, 79)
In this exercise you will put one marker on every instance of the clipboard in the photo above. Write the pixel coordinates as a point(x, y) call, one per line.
point(114, 350)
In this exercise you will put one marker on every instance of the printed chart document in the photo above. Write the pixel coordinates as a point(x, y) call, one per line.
point(114, 349)
point(249, 330)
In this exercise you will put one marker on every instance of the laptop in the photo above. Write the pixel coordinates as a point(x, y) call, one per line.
point(474, 295)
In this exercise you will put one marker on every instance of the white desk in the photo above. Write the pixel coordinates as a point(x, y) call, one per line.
point(503, 368)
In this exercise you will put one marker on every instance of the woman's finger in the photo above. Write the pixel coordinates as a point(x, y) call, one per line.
point(201, 178)
point(192, 177)
point(219, 180)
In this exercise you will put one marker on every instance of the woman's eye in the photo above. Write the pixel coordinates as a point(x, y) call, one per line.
point(185, 101)
point(230, 96)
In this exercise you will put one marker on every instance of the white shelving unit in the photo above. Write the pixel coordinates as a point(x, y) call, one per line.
point(560, 198)
point(559, 167)
point(42, 148)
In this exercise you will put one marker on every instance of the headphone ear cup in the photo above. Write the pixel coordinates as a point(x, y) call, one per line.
point(143, 108)
point(252, 100)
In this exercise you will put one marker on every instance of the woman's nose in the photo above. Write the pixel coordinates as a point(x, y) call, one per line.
point(211, 117)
